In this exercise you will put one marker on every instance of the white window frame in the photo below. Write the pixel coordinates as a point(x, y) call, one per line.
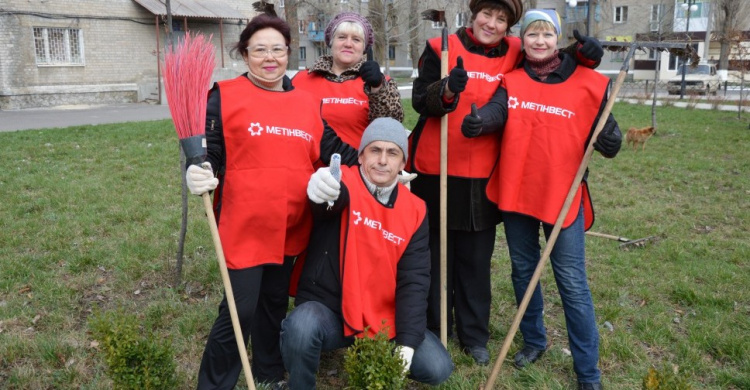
point(301, 25)
point(303, 53)
point(71, 41)
point(461, 19)
point(620, 14)
point(436, 25)
point(655, 17)
point(281, 3)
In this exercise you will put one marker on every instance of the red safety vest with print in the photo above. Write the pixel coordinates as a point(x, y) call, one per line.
point(467, 157)
point(373, 239)
point(345, 106)
point(543, 144)
point(271, 141)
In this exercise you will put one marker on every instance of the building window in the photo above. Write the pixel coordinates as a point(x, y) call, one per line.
point(281, 3)
point(652, 54)
point(617, 56)
point(344, 1)
point(655, 17)
point(391, 52)
point(437, 25)
point(301, 26)
point(302, 53)
point(621, 14)
point(58, 46)
point(461, 19)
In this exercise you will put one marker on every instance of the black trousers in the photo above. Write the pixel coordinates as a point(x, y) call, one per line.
point(469, 290)
point(261, 295)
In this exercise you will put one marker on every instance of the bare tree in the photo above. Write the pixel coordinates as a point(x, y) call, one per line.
point(292, 18)
point(731, 16)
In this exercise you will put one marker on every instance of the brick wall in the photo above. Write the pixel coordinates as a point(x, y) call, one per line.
point(120, 51)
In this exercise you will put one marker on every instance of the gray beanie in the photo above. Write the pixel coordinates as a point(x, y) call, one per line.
point(385, 129)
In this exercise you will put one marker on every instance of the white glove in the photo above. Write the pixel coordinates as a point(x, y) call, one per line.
point(200, 179)
point(405, 177)
point(407, 354)
point(323, 187)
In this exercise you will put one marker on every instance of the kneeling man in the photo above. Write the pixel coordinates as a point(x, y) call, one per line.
point(367, 266)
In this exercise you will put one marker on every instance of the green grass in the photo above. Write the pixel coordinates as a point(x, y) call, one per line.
point(92, 214)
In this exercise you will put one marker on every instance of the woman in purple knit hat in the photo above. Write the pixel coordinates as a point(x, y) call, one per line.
point(352, 89)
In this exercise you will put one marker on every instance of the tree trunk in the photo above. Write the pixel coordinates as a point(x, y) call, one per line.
point(290, 8)
point(414, 41)
point(377, 20)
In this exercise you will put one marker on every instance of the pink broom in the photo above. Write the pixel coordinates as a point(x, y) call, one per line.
point(187, 77)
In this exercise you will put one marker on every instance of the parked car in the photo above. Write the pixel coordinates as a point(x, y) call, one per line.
point(701, 79)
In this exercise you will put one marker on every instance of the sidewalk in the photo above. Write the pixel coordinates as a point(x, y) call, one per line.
point(66, 116)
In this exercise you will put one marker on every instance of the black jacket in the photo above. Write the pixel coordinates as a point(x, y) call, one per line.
point(320, 280)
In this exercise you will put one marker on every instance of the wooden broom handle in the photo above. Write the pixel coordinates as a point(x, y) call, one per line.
point(241, 345)
point(444, 203)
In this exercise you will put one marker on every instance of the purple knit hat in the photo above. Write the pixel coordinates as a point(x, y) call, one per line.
point(350, 17)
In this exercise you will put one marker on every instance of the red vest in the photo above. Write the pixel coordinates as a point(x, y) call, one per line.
point(544, 142)
point(467, 157)
point(345, 106)
point(271, 141)
point(373, 238)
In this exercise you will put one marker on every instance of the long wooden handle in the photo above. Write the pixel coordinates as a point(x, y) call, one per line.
point(609, 236)
point(444, 203)
point(241, 345)
point(558, 226)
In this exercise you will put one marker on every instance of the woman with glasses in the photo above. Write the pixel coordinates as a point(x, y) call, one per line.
point(263, 137)
point(352, 89)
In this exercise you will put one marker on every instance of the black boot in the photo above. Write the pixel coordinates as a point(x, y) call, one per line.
point(527, 355)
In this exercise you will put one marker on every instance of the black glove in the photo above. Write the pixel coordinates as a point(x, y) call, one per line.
point(458, 78)
point(609, 140)
point(590, 48)
point(371, 74)
point(472, 125)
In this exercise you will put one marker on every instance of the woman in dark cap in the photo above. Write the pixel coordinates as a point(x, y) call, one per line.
point(263, 138)
point(352, 89)
point(485, 50)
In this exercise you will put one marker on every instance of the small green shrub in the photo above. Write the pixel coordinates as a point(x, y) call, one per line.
point(664, 379)
point(371, 363)
point(135, 359)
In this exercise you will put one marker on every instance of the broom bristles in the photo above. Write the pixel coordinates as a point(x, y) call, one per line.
point(187, 77)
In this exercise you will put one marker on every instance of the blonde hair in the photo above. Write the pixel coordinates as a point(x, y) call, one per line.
point(350, 28)
point(540, 25)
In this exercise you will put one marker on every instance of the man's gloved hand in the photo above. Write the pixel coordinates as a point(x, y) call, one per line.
point(200, 179)
point(407, 354)
point(609, 140)
point(472, 125)
point(590, 48)
point(371, 74)
point(457, 78)
point(323, 187)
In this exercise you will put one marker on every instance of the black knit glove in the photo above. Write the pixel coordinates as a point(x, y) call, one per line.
point(371, 74)
point(472, 125)
point(588, 47)
point(458, 77)
point(609, 140)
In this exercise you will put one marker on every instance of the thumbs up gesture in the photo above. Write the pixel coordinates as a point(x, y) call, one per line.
point(457, 78)
point(472, 125)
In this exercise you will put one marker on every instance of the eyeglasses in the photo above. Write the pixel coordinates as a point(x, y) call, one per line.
point(275, 52)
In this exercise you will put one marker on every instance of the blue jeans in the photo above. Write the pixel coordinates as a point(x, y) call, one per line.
point(568, 264)
point(312, 328)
